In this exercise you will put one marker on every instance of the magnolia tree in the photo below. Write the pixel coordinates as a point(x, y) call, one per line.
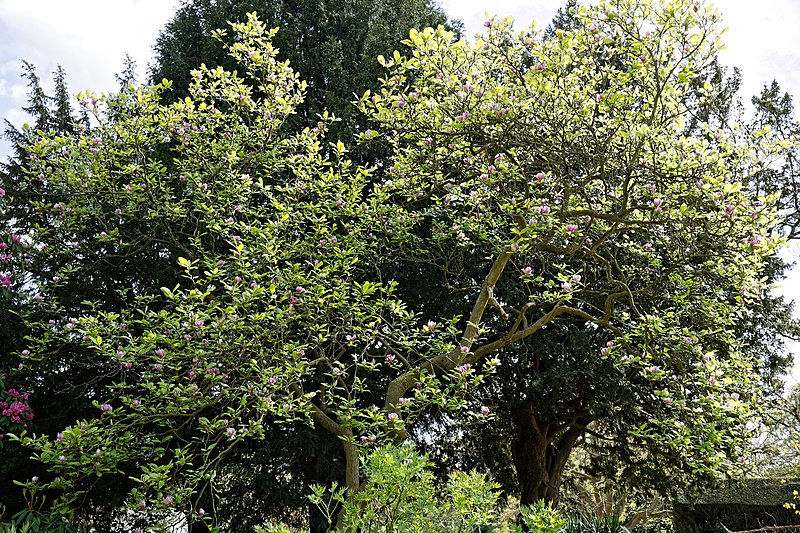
point(548, 180)
point(557, 192)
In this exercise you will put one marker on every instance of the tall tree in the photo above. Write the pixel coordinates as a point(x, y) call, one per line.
point(555, 374)
point(331, 43)
point(576, 205)
point(557, 393)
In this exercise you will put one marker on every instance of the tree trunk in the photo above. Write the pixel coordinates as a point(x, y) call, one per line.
point(540, 453)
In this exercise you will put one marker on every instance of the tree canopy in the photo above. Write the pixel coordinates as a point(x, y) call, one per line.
point(536, 188)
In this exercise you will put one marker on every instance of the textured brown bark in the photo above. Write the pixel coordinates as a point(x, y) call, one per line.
point(540, 453)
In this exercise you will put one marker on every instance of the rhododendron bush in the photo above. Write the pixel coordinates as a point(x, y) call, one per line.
point(557, 164)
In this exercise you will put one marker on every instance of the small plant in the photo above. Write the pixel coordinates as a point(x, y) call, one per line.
point(400, 494)
point(595, 524)
point(542, 518)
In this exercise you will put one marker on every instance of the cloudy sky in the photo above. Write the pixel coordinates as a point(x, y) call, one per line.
point(90, 38)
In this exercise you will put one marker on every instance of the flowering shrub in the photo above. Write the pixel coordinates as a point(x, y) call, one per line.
point(15, 411)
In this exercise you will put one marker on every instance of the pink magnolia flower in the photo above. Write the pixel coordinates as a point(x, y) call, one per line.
point(2, 192)
point(567, 286)
point(484, 410)
point(106, 408)
point(754, 241)
point(571, 228)
point(527, 271)
point(392, 416)
point(540, 177)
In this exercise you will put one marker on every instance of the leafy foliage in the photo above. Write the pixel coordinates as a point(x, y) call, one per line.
point(541, 190)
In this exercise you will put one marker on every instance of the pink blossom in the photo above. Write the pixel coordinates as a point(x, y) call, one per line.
point(2, 192)
point(527, 271)
point(106, 408)
point(484, 410)
point(571, 228)
point(392, 416)
point(567, 286)
point(404, 400)
point(754, 241)
point(487, 24)
point(160, 352)
point(540, 177)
